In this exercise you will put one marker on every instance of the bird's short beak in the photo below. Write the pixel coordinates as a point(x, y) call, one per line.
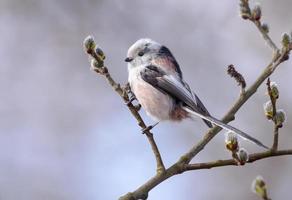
point(129, 59)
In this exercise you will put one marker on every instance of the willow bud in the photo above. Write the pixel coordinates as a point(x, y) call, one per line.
point(242, 156)
point(89, 44)
point(100, 53)
point(94, 64)
point(280, 118)
point(231, 141)
point(258, 186)
point(274, 90)
point(268, 108)
point(286, 40)
point(265, 27)
point(256, 13)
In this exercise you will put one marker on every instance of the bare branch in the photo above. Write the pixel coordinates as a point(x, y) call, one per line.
point(273, 99)
point(267, 38)
point(254, 16)
point(252, 158)
point(276, 138)
point(231, 113)
point(98, 67)
point(182, 164)
point(259, 187)
point(179, 166)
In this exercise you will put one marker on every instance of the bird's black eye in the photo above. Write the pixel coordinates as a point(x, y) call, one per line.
point(141, 53)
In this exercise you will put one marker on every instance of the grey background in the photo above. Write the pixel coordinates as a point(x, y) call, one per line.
point(65, 135)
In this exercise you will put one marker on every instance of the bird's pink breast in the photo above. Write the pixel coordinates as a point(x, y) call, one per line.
point(156, 104)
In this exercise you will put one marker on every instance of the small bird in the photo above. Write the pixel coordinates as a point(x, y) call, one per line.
point(157, 82)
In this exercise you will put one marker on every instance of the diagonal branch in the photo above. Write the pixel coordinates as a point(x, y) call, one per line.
point(266, 37)
point(182, 165)
point(254, 15)
point(97, 65)
point(230, 115)
point(179, 166)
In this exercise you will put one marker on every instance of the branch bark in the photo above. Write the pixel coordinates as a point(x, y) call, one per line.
point(123, 94)
point(97, 65)
point(180, 165)
point(252, 158)
point(273, 100)
point(183, 164)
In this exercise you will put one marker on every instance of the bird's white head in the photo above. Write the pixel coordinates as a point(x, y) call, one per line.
point(142, 52)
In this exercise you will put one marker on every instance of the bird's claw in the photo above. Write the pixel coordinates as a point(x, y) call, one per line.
point(138, 107)
point(131, 99)
point(148, 128)
point(131, 95)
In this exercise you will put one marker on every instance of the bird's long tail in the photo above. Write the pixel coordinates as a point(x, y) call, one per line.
point(225, 126)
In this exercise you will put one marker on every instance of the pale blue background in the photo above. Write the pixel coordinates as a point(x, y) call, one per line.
point(65, 135)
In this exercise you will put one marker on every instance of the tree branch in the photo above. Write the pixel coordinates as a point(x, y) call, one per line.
point(276, 138)
point(159, 163)
point(273, 99)
point(97, 65)
point(266, 37)
point(254, 15)
point(252, 158)
point(179, 166)
point(182, 165)
point(230, 115)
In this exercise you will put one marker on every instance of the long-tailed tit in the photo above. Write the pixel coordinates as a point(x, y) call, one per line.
point(156, 80)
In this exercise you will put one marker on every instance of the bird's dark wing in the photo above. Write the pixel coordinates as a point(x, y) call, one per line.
point(174, 87)
point(200, 105)
point(165, 52)
point(168, 85)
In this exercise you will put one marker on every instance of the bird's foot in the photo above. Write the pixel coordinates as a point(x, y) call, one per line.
point(138, 107)
point(131, 95)
point(131, 99)
point(148, 128)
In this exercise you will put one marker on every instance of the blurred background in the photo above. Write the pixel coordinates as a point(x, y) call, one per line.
point(64, 134)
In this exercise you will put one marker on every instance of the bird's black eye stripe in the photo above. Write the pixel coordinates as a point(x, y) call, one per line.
point(141, 53)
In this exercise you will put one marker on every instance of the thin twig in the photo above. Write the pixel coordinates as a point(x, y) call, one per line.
point(252, 158)
point(231, 113)
point(267, 38)
point(273, 100)
point(276, 127)
point(182, 164)
point(103, 70)
point(178, 167)
point(159, 163)
point(254, 15)
point(276, 138)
